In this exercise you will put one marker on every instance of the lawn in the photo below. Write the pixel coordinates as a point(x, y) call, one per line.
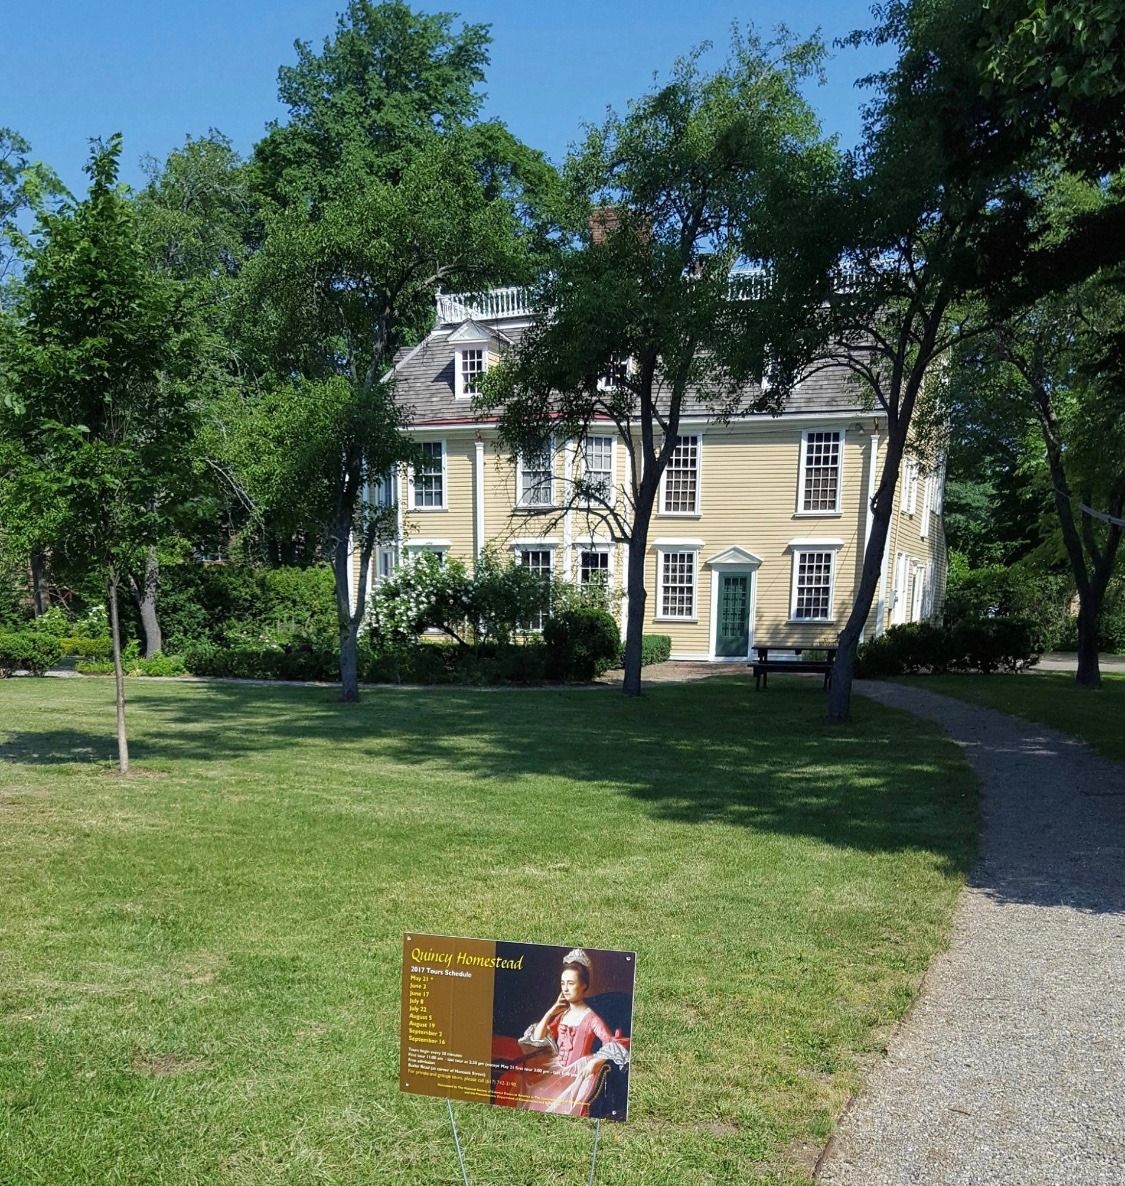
point(199, 966)
point(1049, 698)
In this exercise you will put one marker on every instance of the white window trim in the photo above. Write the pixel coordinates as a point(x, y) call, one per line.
point(444, 480)
point(580, 546)
point(604, 384)
point(671, 545)
point(909, 485)
point(900, 583)
point(927, 503)
point(551, 503)
point(661, 513)
point(580, 460)
point(459, 391)
point(802, 466)
point(797, 548)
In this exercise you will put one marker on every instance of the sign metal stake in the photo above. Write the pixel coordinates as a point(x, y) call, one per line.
point(594, 1159)
point(461, 1155)
point(457, 1142)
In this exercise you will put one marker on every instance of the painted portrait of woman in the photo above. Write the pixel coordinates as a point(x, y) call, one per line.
point(566, 1053)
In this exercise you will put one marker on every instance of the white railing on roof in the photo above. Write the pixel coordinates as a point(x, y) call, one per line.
point(513, 301)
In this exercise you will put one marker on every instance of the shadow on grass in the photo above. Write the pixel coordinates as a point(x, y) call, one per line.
point(709, 752)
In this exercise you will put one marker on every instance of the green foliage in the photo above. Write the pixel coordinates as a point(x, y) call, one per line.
point(292, 661)
point(25, 186)
point(438, 663)
point(1017, 592)
point(973, 644)
point(132, 663)
point(581, 643)
point(655, 648)
point(87, 648)
point(55, 623)
point(910, 647)
point(430, 592)
point(231, 603)
point(28, 650)
point(99, 418)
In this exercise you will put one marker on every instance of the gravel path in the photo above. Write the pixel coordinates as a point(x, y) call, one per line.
point(1011, 1067)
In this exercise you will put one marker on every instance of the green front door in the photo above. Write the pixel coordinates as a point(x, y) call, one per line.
point(732, 632)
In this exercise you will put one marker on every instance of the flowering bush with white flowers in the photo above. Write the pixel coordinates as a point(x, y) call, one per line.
point(430, 592)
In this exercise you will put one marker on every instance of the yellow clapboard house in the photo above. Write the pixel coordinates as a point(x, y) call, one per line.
point(760, 526)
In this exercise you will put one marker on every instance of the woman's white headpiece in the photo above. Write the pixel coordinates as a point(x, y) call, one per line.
point(577, 956)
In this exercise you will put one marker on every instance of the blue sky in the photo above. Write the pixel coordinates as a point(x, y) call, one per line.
point(73, 69)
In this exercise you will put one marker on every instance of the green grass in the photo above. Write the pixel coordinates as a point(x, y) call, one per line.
point(199, 968)
point(1049, 698)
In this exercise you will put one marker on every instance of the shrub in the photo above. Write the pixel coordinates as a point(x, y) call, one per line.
point(581, 643)
point(1041, 598)
point(432, 593)
point(158, 664)
point(28, 650)
point(992, 644)
point(94, 666)
point(297, 661)
point(87, 648)
point(246, 605)
point(655, 648)
point(911, 647)
point(55, 623)
point(983, 644)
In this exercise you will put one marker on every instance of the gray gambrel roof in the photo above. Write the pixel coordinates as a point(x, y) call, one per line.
point(424, 378)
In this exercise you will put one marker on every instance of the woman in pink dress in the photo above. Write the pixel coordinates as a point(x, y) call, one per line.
point(562, 1071)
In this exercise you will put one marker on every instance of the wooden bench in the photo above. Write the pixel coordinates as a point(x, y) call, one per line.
point(764, 663)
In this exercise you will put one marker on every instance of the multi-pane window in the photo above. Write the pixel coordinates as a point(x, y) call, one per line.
point(812, 586)
point(909, 486)
point(593, 568)
point(538, 560)
point(471, 367)
point(597, 454)
point(820, 472)
point(536, 470)
point(385, 489)
point(681, 478)
point(429, 476)
point(677, 584)
point(615, 373)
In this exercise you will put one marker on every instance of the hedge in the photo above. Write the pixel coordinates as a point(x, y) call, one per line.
point(27, 650)
point(982, 644)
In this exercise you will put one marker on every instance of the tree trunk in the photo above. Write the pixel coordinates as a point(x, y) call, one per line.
point(118, 677)
point(638, 596)
point(144, 594)
point(843, 670)
point(1089, 612)
point(39, 597)
point(349, 628)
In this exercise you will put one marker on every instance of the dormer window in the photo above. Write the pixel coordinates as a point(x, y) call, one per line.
point(615, 374)
point(471, 363)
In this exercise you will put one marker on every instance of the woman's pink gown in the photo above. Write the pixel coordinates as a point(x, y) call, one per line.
point(560, 1083)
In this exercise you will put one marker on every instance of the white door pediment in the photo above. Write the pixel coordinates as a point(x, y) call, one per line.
point(734, 557)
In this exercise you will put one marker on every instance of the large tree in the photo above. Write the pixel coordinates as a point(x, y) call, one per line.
point(378, 190)
point(98, 420)
point(195, 219)
point(1048, 372)
point(638, 312)
point(913, 218)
